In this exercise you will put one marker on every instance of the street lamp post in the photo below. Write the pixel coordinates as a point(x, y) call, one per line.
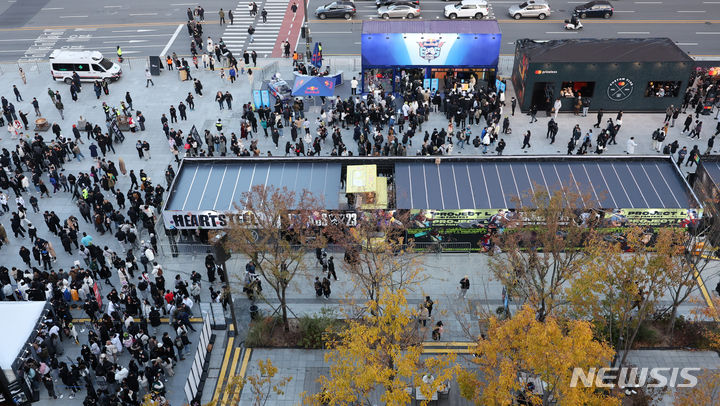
point(306, 27)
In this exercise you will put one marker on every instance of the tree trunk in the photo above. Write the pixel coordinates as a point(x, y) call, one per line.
point(283, 304)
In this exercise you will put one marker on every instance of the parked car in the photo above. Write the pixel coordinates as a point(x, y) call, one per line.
point(531, 8)
point(467, 9)
point(380, 3)
point(597, 8)
point(399, 11)
point(336, 9)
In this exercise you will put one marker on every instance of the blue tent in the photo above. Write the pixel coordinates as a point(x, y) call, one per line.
point(316, 56)
point(313, 85)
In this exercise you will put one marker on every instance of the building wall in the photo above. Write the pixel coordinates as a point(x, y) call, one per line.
point(617, 86)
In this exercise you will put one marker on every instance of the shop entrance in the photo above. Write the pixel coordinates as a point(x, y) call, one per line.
point(409, 79)
point(543, 95)
point(462, 79)
point(378, 80)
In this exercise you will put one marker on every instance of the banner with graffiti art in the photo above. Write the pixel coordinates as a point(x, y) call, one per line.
point(476, 50)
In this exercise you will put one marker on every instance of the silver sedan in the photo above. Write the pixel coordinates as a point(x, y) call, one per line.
point(398, 11)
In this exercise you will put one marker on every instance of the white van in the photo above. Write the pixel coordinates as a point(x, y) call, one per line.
point(477, 9)
point(89, 65)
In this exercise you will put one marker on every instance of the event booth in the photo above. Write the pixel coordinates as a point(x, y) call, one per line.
point(630, 74)
point(22, 320)
point(429, 51)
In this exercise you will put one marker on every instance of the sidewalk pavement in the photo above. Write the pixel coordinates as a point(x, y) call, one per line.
point(155, 100)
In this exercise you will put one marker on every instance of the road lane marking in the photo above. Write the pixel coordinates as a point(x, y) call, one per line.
point(692, 11)
point(112, 6)
point(73, 16)
point(144, 14)
point(172, 39)
point(633, 32)
point(624, 11)
point(560, 32)
point(707, 33)
point(686, 43)
point(52, 8)
point(648, 2)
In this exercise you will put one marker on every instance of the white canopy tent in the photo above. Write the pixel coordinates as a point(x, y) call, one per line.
point(18, 320)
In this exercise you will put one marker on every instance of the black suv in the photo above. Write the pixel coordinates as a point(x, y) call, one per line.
point(598, 8)
point(338, 9)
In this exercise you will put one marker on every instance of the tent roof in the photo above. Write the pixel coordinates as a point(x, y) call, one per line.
point(219, 184)
point(20, 319)
point(498, 183)
point(618, 50)
point(431, 27)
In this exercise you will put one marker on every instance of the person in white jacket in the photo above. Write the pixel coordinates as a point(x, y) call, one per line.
point(631, 144)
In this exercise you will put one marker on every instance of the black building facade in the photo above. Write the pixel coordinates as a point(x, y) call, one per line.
point(642, 75)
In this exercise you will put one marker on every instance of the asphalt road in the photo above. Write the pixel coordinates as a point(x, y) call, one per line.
point(31, 29)
point(693, 24)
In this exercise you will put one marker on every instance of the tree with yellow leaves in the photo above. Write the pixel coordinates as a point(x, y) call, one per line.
point(621, 284)
point(538, 252)
point(522, 352)
point(378, 357)
point(262, 385)
point(377, 256)
point(276, 232)
point(706, 392)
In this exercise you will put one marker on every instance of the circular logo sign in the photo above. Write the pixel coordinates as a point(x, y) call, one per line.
point(620, 89)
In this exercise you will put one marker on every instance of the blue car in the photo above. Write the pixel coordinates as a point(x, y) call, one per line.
point(280, 90)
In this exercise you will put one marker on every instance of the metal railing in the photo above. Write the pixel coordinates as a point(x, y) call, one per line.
point(198, 248)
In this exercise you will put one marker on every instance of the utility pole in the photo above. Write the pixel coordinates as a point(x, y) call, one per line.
point(306, 29)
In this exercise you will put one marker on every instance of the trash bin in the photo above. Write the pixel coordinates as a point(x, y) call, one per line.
point(155, 65)
point(254, 312)
point(183, 74)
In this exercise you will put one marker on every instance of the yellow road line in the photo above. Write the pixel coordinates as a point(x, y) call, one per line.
point(705, 293)
point(447, 343)
point(223, 369)
point(241, 375)
point(446, 351)
point(233, 369)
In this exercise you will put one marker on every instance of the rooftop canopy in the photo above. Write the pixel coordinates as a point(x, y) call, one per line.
point(219, 184)
point(431, 27)
point(620, 50)
point(614, 182)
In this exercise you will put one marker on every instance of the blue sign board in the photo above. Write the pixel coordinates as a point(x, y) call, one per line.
point(431, 84)
point(499, 85)
point(423, 49)
point(257, 100)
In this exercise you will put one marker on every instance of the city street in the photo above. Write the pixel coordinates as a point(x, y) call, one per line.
point(33, 28)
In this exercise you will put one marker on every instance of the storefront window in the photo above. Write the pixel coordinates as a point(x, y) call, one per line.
point(571, 90)
point(378, 80)
point(462, 78)
point(663, 89)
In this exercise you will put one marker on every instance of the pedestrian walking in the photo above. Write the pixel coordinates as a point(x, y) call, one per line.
point(22, 76)
point(221, 13)
point(428, 304)
point(148, 78)
point(681, 155)
point(464, 286)
point(710, 144)
point(533, 113)
point(526, 140)
point(251, 32)
point(231, 17)
point(36, 105)
point(263, 14)
point(630, 147)
point(556, 109)
point(253, 55)
point(60, 108)
point(437, 331)
point(326, 288)
point(18, 97)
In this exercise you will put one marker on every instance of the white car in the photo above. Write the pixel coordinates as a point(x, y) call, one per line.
point(477, 9)
point(531, 8)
